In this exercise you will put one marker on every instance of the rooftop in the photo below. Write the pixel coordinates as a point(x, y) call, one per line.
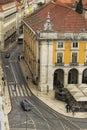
point(63, 18)
point(72, 1)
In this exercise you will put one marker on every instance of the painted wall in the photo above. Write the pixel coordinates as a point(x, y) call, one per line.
point(82, 52)
point(54, 52)
point(67, 52)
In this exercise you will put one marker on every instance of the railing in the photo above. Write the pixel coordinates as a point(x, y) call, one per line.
point(74, 64)
point(59, 64)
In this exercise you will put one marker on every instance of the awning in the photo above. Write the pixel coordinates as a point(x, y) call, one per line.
point(74, 89)
point(78, 92)
point(81, 99)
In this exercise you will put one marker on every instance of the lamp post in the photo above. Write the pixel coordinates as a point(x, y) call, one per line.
point(26, 120)
point(47, 89)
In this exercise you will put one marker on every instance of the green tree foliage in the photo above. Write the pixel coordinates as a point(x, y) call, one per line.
point(40, 4)
point(79, 7)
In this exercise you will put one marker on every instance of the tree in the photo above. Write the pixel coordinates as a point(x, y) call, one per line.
point(40, 4)
point(79, 7)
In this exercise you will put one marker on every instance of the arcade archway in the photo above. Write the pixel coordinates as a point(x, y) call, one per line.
point(84, 76)
point(59, 78)
point(73, 76)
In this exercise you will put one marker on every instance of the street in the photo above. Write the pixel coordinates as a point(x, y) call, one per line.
point(41, 116)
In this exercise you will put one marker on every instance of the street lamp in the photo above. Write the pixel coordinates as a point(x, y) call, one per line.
point(26, 120)
point(47, 89)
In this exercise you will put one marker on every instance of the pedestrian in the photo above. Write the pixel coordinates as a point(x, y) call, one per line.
point(19, 58)
point(27, 77)
point(14, 87)
point(67, 108)
point(73, 111)
point(4, 83)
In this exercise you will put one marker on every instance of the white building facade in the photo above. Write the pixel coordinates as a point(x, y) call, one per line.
point(7, 24)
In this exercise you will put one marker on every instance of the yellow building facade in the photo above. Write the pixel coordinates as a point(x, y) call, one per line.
point(30, 51)
point(72, 56)
point(67, 50)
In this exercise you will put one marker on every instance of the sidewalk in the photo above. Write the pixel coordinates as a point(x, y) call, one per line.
point(49, 98)
point(6, 107)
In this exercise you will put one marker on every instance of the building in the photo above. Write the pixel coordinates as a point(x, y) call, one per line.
point(38, 4)
point(7, 23)
point(24, 8)
point(72, 1)
point(55, 46)
point(11, 15)
point(2, 120)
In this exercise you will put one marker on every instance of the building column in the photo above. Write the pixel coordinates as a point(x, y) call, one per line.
point(43, 82)
point(65, 79)
point(80, 78)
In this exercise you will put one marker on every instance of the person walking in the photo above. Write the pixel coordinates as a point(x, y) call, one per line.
point(67, 108)
point(27, 77)
point(73, 111)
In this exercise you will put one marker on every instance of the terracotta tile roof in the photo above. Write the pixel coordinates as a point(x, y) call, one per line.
point(73, 22)
point(85, 6)
point(64, 19)
point(72, 1)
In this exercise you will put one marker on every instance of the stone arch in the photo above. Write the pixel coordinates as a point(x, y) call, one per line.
point(59, 78)
point(84, 76)
point(73, 76)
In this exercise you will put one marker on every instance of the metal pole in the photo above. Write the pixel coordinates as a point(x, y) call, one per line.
point(26, 121)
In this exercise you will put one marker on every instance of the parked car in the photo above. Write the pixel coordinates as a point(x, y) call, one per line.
point(7, 55)
point(25, 105)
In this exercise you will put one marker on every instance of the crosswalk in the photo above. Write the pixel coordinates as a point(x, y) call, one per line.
point(19, 90)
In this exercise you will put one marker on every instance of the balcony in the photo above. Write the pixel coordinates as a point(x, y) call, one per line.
point(59, 64)
point(74, 64)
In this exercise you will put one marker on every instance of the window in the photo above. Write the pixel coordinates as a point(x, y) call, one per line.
point(75, 44)
point(59, 57)
point(60, 44)
point(74, 57)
